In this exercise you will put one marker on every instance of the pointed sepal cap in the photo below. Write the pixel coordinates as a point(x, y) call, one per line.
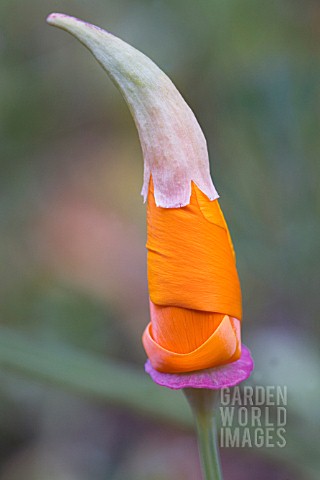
point(174, 147)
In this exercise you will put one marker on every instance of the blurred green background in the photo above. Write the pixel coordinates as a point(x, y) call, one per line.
point(75, 403)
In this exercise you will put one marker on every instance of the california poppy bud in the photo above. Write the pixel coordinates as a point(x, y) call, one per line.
point(195, 297)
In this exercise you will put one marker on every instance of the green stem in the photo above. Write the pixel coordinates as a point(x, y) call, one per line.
point(203, 403)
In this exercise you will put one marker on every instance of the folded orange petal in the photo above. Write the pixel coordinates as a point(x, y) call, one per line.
point(195, 296)
point(180, 329)
point(191, 262)
point(223, 346)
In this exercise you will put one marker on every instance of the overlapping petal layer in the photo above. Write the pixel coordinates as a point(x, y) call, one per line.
point(195, 296)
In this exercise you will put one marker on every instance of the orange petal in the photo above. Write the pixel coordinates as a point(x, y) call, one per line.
point(191, 263)
point(182, 330)
point(222, 346)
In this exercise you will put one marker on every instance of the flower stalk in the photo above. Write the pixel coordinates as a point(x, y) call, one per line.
point(203, 403)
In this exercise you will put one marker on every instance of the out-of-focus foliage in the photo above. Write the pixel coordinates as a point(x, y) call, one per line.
point(72, 222)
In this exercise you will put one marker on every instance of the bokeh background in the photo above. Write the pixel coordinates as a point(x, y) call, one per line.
point(74, 402)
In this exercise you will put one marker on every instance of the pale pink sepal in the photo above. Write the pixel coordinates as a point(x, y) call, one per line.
point(174, 147)
point(216, 378)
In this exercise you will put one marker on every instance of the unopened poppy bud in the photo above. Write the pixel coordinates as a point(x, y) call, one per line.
point(195, 297)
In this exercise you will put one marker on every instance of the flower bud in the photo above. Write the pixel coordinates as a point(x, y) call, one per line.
point(195, 297)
